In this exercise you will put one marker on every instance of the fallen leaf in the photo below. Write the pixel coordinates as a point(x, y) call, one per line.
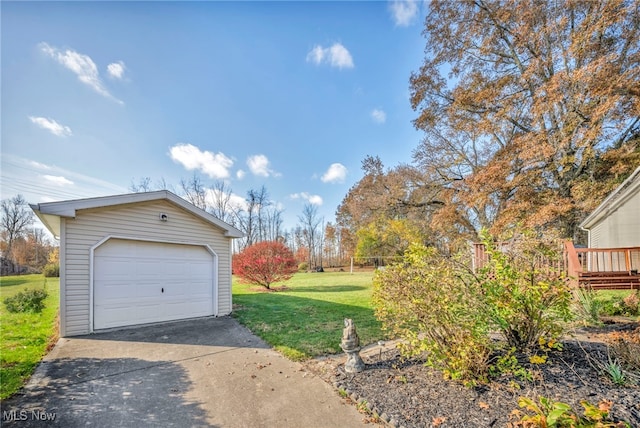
point(438, 421)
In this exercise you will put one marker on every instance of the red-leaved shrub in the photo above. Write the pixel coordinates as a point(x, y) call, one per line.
point(265, 263)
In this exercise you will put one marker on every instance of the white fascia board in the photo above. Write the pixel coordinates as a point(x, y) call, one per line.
point(229, 230)
point(69, 208)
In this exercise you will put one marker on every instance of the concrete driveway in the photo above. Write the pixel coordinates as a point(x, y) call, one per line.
point(200, 373)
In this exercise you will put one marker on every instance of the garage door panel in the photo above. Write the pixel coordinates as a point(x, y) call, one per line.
point(143, 282)
point(175, 309)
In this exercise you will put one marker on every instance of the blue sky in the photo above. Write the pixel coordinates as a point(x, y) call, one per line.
point(289, 95)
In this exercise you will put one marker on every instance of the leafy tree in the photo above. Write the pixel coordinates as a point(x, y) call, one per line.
point(265, 263)
point(381, 196)
point(52, 268)
point(530, 109)
point(386, 238)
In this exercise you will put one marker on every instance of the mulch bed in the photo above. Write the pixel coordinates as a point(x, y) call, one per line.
point(405, 393)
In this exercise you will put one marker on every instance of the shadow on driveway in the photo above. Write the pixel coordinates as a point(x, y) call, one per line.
point(106, 392)
point(219, 332)
point(209, 372)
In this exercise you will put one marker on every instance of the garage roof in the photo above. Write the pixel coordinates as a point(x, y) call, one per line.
point(51, 212)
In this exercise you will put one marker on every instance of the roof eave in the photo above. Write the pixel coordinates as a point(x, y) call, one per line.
point(51, 222)
point(50, 211)
point(611, 202)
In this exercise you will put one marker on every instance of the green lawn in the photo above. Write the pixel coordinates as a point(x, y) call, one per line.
point(307, 318)
point(25, 337)
point(613, 294)
point(611, 302)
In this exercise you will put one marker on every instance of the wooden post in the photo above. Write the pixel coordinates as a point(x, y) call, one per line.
point(573, 264)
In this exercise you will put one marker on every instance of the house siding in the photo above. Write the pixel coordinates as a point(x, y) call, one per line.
point(621, 228)
point(139, 221)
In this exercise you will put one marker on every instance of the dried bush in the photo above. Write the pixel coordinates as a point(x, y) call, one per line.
point(632, 302)
point(626, 347)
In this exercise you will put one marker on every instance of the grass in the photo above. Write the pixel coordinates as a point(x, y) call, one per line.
point(306, 318)
point(25, 337)
point(611, 302)
point(613, 294)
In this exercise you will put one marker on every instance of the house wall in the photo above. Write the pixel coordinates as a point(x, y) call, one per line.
point(621, 228)
point(140, 220)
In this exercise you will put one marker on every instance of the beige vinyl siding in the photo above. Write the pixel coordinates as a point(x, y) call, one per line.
point(621, 228)
point(595, 236)
point(140, 221)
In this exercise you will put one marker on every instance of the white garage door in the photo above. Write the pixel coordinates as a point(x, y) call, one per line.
point(138, 282)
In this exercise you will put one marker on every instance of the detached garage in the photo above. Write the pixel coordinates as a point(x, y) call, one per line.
point(138, 258)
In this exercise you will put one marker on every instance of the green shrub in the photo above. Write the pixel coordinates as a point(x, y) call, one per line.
point(30, 300)
point(617, 305)
point(525, 303)
point(586, 307)
point(434, 304)
point(303, 267)
point(51, 270)
point(444, 313)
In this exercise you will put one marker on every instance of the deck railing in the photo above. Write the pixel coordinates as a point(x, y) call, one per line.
point(603, 267)
point(602, 259)
point(550, 264)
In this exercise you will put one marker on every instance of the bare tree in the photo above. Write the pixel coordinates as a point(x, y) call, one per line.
point(221, 204)
point(15, 221)
point(273, 224)
point(309, 221)
point(195, 192)
point(261, 199)
point(143, 185)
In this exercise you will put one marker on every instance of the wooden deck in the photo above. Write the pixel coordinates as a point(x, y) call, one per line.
point(596, 268)
point(604, 268)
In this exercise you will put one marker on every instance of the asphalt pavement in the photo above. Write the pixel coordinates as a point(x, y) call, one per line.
point(209, 372)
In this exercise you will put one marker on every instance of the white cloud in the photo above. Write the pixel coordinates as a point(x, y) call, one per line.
point(403, 12)
point(52, 126)
point(82, 65)
point(116, 70)
point(312, 199)
point(215, 165)
point(57, 180)
point(335, 174)
point(38, 165)
point(240, 174)
point(336, 56)
point(378, 115)
point(259, 165)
